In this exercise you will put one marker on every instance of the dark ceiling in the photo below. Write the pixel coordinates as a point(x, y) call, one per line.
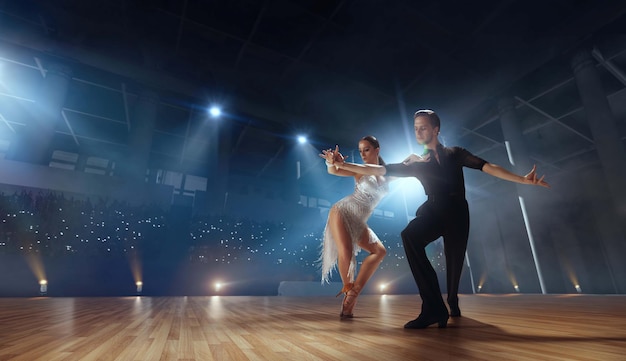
point(334, 69)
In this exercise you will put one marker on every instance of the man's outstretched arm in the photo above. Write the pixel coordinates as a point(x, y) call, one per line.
point(530, 178)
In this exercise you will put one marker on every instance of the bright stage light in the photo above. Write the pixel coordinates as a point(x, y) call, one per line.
point(302, 139)
point(215, 112)
point(218, 286)
point(578, 289)
point(139, 285)
point(43, 287)
point(516, 288)
point(382, 287)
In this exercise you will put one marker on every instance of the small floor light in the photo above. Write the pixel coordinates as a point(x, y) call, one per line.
point(43, 287)
point(139, 285)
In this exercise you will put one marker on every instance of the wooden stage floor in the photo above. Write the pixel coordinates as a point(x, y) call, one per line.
point(493, 327)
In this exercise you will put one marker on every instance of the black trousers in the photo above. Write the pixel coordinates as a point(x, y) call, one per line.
point(446, 217)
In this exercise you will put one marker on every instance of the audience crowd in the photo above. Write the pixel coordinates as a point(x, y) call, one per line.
point(54, 225)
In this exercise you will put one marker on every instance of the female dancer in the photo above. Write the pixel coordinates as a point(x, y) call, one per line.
point(347, 232)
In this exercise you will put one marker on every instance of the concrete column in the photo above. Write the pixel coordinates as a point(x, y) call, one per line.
point(607, 190)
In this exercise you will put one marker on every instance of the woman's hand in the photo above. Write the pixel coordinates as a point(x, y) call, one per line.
point(338, 157)
point(333, 157)
point(328, 155)
point(414, 158)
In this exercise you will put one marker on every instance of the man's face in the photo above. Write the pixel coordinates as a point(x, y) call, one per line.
point(424, 131)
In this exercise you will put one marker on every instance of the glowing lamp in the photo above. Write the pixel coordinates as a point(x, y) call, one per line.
point(43, 287)
point(215, 112)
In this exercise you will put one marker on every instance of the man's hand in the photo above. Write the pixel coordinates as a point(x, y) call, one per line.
point(531, 178)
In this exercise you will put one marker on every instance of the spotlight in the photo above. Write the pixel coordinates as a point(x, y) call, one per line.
point(218, 286)
point(516, 288)
point(139, 285)
point(215, 112)
point(302, 139)
point(43, 287)
point(480, 287)
point(382, 287)
point(578, 289)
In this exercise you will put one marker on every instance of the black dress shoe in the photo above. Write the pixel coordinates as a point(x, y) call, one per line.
point(425, 320)
point(455, 311)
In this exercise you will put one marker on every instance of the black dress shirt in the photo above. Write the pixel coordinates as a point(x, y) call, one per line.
point(443, 178)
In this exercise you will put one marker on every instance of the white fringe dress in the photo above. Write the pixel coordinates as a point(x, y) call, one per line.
point(355, 210)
